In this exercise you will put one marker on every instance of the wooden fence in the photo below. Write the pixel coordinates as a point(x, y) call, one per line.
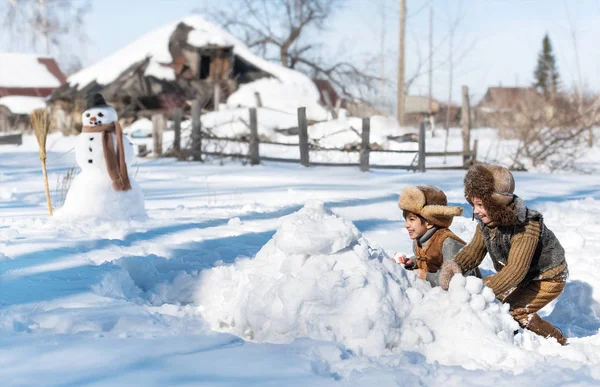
point(254, 157)
point(364, 150)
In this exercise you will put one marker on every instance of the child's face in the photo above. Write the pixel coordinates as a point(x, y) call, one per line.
point(416, 226)
point(479, 211)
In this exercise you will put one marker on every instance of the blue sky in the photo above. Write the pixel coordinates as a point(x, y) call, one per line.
point(504, 36)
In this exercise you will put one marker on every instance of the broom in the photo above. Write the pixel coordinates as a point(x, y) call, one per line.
point(40, 121)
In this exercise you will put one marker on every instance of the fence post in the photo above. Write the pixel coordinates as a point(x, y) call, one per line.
point(177, 114)
point(254, 155)
point(158, 127)
point(303, 136)
point(421, 164)
point(327, 98)
point(217, 96)
point(474, 152)
point(257, 99)
point(365, 147)
point(196, 131)
point(466, 125)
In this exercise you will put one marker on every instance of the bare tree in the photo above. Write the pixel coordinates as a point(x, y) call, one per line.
point(283, 30)
point(580, 84)
point(552, 133)
point(53, 23)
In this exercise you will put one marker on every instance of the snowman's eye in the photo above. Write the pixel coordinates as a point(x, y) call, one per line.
point(87, 115)
point(100, 115)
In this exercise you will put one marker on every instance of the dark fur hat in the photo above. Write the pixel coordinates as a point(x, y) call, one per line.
point(430, 203)
point(495, 186)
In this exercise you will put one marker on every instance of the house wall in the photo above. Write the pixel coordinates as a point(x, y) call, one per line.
point(13, 122)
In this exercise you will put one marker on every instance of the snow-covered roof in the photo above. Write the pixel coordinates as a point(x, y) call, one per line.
point(26, 71)
point(155, 45)
point(22, 105)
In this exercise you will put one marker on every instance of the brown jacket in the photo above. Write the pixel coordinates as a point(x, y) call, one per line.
point(430, 257)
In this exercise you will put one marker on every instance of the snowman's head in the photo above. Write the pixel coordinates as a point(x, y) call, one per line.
point(98, 112)
point(99, 116)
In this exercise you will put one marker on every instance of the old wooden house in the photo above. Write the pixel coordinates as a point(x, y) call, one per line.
point(173, 67)
point(507, 106)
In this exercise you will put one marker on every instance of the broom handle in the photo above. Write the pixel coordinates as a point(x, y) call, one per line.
point(47, 188)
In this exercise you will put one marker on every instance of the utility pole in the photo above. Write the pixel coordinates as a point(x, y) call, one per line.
point(401, 63)
point(382, 48)
point(431, 120)
point(430, 60)
point(451, 63)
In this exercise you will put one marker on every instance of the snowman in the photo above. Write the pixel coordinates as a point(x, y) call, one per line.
point(103, 188)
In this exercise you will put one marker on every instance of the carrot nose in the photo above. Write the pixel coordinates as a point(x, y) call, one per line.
point(93, 119)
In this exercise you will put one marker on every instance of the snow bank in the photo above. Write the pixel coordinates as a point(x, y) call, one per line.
point(141, 128)
point(280, 95)
point(318, 277)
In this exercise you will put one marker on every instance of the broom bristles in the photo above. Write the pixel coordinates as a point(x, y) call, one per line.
point(40, 121)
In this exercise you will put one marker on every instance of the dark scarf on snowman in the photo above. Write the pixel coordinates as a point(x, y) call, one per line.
point(115, 161)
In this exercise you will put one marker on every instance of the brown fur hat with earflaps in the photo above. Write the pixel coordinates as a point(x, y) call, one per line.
point(430, 203)
point(495, 186)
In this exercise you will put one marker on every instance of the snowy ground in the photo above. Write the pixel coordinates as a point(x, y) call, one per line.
point(151, 302)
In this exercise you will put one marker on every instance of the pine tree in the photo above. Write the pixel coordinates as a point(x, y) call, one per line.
point(546, 72)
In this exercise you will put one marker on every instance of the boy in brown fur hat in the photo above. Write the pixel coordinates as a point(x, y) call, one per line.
point(528, 258)
point(427, 217)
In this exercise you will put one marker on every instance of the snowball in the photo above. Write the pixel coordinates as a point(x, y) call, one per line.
point(460, 295)
point(457, 281)
point(474, 284)
point(488, 295)
point(477, 302)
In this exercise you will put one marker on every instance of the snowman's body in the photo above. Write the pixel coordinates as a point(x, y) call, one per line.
point(91, 194)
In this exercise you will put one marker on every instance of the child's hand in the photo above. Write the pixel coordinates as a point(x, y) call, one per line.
point(400, 258)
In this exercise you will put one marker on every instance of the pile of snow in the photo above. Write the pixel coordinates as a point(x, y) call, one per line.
point(448, 326)
point(318, 277)
point(141, 128)
point(279, 95)
point(21, 104)
point(25, 70)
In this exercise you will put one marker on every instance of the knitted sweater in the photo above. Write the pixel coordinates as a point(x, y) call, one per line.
point(520, 253)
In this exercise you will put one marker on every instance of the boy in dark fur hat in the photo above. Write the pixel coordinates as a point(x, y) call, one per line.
point(427, 217)
point(528, 258)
